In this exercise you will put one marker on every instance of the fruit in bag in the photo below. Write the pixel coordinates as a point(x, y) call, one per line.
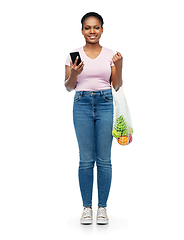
point(130, 131)
point(122, 131)
point(122, 125)
point(130, 138)
point(115, 133)
point(123, 140)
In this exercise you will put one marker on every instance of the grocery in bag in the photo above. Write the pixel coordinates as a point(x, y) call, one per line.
point(122, 124)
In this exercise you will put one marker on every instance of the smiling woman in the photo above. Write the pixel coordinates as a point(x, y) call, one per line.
point(92, 27)
point(92, 31)
point(93, 112)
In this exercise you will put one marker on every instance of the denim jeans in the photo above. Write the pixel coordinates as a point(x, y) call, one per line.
point(93, 121)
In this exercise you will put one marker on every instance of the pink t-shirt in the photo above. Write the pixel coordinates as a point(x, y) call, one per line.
point(96, 73)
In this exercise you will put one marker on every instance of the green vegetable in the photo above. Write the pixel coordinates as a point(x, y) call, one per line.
point(121, 127)
point(116, 134)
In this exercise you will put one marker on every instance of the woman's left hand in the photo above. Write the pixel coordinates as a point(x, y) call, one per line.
point(118, 60)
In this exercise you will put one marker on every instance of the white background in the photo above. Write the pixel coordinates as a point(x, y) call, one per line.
point(40, 197)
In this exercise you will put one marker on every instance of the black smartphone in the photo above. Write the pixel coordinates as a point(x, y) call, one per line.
point(73, 56)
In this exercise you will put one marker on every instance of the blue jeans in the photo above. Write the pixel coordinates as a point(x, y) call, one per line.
point(93, 122)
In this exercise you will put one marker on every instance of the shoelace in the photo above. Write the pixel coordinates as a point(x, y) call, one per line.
point(102, 213)
point(87, 213)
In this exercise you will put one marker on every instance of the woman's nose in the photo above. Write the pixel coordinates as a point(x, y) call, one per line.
point(92, 30)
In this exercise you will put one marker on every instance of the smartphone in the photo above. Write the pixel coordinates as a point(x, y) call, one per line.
point(73, 56)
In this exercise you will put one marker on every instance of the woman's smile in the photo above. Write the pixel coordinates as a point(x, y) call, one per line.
point(93, 36)
point(92, 30)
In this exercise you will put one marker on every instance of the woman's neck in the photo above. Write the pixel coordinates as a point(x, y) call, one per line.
point(92, 47)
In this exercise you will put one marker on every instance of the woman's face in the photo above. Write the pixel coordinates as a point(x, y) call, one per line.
point(92, 30)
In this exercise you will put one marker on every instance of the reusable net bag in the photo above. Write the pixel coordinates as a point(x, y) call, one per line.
point(122, 124)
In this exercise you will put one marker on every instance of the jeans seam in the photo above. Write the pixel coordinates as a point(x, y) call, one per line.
point(106, 98)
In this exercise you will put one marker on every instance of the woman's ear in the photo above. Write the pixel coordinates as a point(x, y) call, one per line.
point(82, 31)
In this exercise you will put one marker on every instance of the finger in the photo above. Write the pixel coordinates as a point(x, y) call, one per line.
point(80, 69)
point(115, 58)
point(118, 54)
point(81, 63)
point(71, 64)
point(76, 60)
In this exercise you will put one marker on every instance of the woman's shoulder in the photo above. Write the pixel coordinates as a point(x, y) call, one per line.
point(77, 49)
point(108, 50)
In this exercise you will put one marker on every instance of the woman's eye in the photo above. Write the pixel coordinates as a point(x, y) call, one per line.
point(87, 28)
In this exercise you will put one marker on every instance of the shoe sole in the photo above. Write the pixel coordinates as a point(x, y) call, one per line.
point(86, 221)
point(102, 221)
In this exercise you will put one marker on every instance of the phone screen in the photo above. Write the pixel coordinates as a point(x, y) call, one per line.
point(73, 57)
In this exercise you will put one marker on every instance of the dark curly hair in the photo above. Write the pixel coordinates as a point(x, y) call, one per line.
point(92, 14)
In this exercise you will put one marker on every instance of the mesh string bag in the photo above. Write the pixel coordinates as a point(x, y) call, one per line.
point(122, 124)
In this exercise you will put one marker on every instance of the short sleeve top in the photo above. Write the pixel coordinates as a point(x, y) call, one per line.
point(96, 73)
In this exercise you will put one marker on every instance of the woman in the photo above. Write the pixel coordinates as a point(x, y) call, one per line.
point(93, 112)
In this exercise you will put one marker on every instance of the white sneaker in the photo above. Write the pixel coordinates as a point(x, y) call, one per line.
point(87, 216)
point(102, 218)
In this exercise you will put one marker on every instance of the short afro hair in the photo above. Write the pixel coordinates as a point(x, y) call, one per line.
point(92, 14)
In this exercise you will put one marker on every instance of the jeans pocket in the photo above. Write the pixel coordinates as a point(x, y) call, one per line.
point(108, 97)
point(77, 97)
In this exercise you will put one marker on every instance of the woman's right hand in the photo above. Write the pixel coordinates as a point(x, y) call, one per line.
point(76, 70)
point(71, 74)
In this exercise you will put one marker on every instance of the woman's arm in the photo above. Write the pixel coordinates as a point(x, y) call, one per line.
point(71, 74)
point(70, 80)
point(116, 71)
